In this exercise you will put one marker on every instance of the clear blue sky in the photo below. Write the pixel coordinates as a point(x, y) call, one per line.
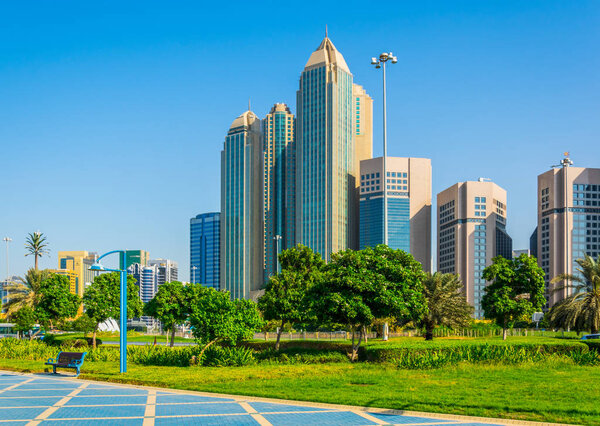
point(113, 114)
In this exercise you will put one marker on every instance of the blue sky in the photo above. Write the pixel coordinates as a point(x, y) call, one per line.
point(113, 114)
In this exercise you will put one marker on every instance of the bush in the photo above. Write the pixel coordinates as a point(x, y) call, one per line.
point(217, 356)
point(593, 345)
point(301, 356)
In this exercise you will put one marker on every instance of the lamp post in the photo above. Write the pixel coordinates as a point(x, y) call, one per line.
point(194, 274)
point(277, 239)
point(7, 240)
point(123, 303)
point(380, 63)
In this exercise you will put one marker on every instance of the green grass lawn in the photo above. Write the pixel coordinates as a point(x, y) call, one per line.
point(550, 391)
point(131, 337)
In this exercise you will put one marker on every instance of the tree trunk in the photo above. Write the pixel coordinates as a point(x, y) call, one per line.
point(365, 333)
point(173, 336)
point(94, 337)
point(355, 347)
point(594, 330)
point(205, 348)
point(279, 335)
point(36, 262)
point(429, 331)
point(504, 332)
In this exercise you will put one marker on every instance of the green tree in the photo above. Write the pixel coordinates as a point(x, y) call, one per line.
point(360, 286)
point(36, 246)
point(56, 301)
point(285, 299)
point(168, 306)
point(102, 300)
point(24, 320)
point(581, 310)
point(517, 290)
point(83, 323)
point(214, 317)
point(25, 291)
point(446, 303)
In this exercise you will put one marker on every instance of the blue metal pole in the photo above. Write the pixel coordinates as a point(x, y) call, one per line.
point(123, 325)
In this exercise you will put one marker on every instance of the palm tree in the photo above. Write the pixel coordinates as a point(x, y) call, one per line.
point(581, 310)
point(447, 305)
point(36, 245)
point(24, 292)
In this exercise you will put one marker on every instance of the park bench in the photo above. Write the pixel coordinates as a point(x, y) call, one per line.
point(72, 360)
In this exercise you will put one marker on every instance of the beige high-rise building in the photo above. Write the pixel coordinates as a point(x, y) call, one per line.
point(78, 262)
point(409, 205)
point(471, 231)
point(568, 222)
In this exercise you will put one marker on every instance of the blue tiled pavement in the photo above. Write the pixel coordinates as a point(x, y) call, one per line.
point(49, 400)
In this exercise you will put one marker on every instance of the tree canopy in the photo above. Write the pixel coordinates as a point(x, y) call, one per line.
point(360, 286)
point(169, 306)
point(56, 302)
point(516, 291)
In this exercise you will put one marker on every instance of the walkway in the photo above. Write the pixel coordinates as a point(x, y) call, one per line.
point(29, 399)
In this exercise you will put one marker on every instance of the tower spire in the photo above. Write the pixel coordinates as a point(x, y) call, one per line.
point(249, 108)
point(326, 35)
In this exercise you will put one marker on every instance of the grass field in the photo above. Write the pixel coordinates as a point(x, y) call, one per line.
point(131, 337)
point(553, 391)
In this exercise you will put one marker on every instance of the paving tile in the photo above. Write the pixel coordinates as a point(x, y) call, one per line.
point(242, 420)
point(174, 398)
point(103, 422)
point(267, 407)
point(203, 408)
point(36, 392)
point(28, 402)
point(96, 412)
point(400, 419)
point(112, 391)
point(20, 413)
point(326, 418)
point(107, 400)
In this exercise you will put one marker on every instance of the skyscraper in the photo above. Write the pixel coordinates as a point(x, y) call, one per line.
point(279, 184)
point(79, 262)
point(167, 270)
point(242, 238)
point(205, 249)
point(134, 256)
point(409, 205)
point(471, 231)
point(325, 168)
point(568, 222)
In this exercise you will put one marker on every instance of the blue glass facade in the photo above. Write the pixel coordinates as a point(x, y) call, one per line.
point(371, 221)
point(205, 247)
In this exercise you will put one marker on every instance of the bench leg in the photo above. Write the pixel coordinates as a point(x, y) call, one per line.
point(54, 369)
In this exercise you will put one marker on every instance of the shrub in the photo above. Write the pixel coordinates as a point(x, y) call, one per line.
point(217, 356)
point(301, 356)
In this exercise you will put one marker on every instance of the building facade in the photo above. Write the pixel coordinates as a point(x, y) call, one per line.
point(409, 205)
point(78, 262)
point(167, 270)
point(205, 249)
point(242, 239)
point(279, 184)
point(325, 167)
point(471, 227)
point(568, 222)
point(134, 256)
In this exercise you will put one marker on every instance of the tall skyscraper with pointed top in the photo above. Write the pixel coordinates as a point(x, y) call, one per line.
point(325, 153)
point(242, 208)
point(279, 184)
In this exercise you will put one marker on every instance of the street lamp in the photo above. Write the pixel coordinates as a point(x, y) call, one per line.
point(194, 274)
point(98, 267)
point(7, 240)
point(277, 239)
point(380, 63)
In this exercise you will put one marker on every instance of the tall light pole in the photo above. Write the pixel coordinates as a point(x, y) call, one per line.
point(380, 63)
point(194, 274)
point(123, 303)
point(7, 240)
point(277, 239)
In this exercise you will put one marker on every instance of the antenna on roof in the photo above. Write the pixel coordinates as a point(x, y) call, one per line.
point(565, 162)
point(326, 35)
point(249, 109)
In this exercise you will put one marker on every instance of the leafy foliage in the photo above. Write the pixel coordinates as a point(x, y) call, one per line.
point(581, 310)
point(24, 319)
point(360, 286)
point(286, 295)
point(168, 306)
point(517, 290)
point(26, 291)
point(447, 305)
point(56, 301)
point(215, 317)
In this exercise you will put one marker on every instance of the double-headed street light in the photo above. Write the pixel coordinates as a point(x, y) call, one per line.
point(380, 63)
point(98, 267)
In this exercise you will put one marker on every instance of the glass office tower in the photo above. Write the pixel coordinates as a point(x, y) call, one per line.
point(205, 247)
point(242, 238)
point(326, 183)
point(279, 184)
